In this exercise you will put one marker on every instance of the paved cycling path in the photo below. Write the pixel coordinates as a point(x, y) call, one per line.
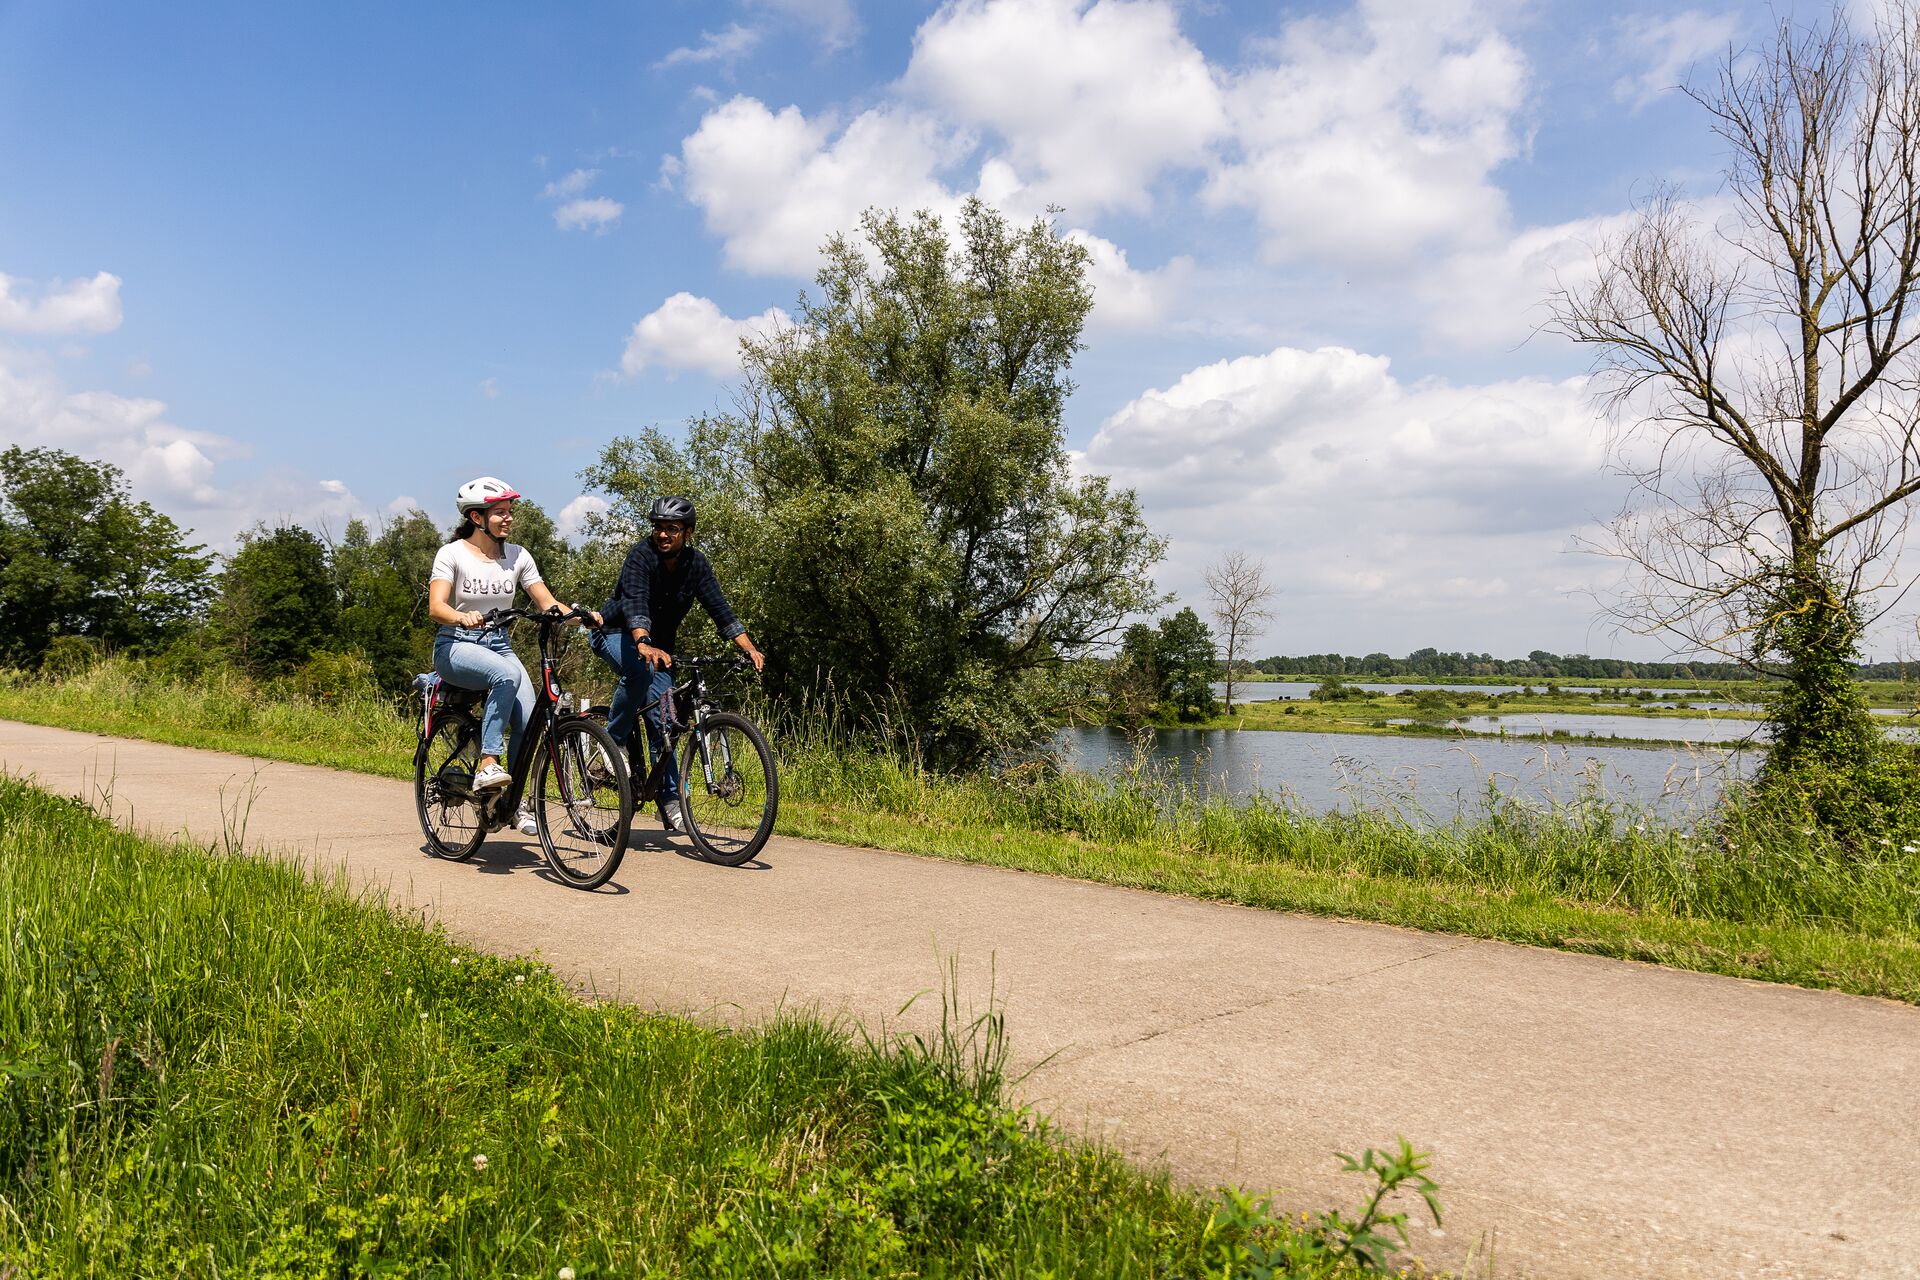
point(1599, 1119)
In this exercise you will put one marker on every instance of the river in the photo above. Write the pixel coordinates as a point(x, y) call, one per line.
point(1430, 777)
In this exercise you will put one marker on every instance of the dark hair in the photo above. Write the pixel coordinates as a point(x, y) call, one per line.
point(465, 528)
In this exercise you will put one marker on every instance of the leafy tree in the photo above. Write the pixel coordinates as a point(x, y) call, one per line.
point(79, 557)
point(1188, 666)
point(277, 603)
point(382, 585)
point(890, 504)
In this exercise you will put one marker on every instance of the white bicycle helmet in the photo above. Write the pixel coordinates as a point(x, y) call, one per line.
point(484, 492)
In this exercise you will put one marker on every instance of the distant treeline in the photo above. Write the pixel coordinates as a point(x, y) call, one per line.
point(1537, 665)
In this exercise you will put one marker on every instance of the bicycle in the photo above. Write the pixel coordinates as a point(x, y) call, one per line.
point(726, 766)
point(585, 794)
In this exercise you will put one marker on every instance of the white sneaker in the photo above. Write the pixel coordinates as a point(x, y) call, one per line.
point(528, 824)
point(670, 817)
point(491, 778)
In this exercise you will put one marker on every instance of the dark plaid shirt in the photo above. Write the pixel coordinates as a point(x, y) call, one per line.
point(652, 597)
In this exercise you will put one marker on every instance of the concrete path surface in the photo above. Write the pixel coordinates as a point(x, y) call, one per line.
point(1590, 1118)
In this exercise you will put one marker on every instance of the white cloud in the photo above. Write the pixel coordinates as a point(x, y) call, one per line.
point(1495, 296)
point(1366, 139)
point(1380, 502)
point(572, 520)
point(773, 185)
point(1092, 100)
point(596, 214)
point(726, 46)
point(1125, 299)
point(833, 22)
point(686, 332)
point(405, 504)
point(1666, 47)
point(70, 306)
point(490, 388)
point(177, 469)
point(572, 185)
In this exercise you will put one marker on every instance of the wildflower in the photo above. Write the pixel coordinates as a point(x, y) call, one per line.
point(1912, 848)
point(456, 962)
point(566, 1273)
point(520, 979)
point(479, 1162)
point(423, 1015)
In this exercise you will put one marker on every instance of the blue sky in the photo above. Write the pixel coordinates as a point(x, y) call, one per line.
point(308, 262)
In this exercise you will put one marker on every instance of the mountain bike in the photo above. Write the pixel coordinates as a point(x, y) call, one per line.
point(729, 781)
point(583, 793)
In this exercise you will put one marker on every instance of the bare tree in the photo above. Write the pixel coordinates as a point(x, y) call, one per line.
point(1239, 590)
point(1761, 370)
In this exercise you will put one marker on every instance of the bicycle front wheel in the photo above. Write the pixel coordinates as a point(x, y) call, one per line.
point(729, 788)
point(443, 768)
point(583, 803)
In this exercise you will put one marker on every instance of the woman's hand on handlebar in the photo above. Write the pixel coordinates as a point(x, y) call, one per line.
point(470, 619)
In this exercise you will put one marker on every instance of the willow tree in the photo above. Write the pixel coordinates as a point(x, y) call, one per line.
point(891, 502)
point(1759, 357)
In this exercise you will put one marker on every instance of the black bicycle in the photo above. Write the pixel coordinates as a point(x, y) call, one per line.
point(584, 794)
point(729, 781)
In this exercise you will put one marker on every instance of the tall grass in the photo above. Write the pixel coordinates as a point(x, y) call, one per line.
point(1729, 889)
point(210, 1065)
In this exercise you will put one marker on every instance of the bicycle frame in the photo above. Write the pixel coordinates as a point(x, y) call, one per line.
point(540, 733)
point(647, 791)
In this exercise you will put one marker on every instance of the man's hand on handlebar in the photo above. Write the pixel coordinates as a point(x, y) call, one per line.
point(656, 659)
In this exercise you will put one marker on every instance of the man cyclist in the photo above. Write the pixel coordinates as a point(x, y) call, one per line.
point(659, 584)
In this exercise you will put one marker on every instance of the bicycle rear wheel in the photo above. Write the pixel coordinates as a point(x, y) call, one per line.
point(729, 788)
point(443, 768)
point(583, 803)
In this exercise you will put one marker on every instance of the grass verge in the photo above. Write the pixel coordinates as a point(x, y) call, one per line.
point(1719, 893)
point(210, 1065)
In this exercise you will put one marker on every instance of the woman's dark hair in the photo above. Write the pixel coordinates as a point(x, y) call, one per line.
point(466, 526)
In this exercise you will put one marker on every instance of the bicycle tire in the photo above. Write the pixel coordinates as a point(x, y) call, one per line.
point(570, 795)
point(706, 806)
point(453, 748)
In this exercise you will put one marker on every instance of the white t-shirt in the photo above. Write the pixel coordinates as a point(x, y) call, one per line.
point(480, 584)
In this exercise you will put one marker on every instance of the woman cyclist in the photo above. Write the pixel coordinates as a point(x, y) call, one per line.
point(478, 570)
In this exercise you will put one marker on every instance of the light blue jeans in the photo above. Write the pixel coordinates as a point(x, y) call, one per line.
point(640, 690)
point(480, 659)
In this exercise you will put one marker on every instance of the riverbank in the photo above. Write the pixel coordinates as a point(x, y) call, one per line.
point(172, 1100)
point(1721, 894)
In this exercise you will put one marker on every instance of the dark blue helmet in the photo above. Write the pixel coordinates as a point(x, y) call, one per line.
point(676, 509)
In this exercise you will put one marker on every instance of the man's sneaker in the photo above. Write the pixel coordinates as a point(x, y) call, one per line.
point(528, 824)
point(670, 816)
point(491, 778)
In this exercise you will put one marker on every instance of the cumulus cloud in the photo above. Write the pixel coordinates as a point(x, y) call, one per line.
point(1666, 47)
point(726, 46)
point(1365, 138)
point(686, 332)
point(773, 185)
point(65, 307)
point(1092, 101)
point(1125, 299)
point(175, 468)
point(1371, 498)
point(596, 214)
point(572, 520)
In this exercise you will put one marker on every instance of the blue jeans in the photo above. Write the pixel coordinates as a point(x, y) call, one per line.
point(476, 659)
point(640, 689)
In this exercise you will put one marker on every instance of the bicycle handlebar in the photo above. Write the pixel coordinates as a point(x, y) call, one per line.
point(546, 617)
